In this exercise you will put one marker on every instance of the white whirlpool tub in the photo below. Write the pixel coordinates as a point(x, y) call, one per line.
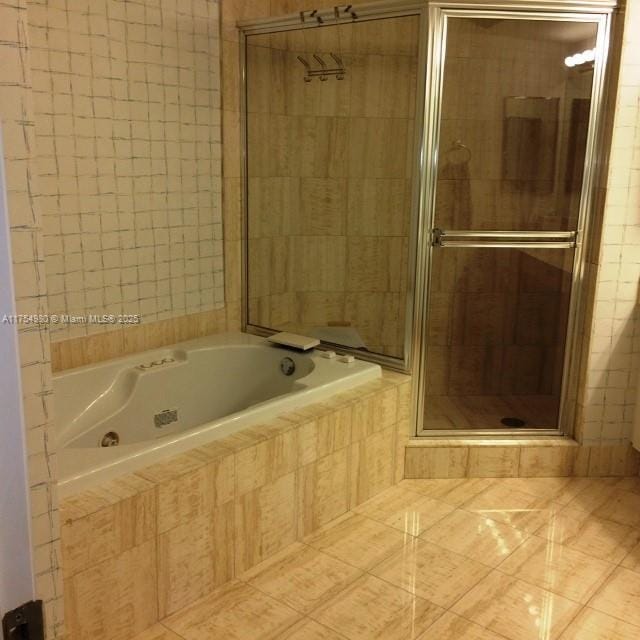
point(163, 402)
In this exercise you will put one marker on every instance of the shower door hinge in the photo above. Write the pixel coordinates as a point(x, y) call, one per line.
point(24, 622)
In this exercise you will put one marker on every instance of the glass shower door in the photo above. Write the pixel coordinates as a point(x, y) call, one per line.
point(507, 214)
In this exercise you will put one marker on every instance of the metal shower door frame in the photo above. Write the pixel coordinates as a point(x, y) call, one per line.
point(440, 13)
point(385, 9)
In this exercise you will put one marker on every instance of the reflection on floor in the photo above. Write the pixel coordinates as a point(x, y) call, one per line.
point(515, 559)
point(486, 412)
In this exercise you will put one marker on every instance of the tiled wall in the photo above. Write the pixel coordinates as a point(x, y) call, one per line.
point(141, 547)
point(612, 351)
point(509, 458)
point(17, 117)
point(330, 179)
point(127, 107)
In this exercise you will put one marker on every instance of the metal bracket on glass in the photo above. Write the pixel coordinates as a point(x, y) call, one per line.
point(505, 239)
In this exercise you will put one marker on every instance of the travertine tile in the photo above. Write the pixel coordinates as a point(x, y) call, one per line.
point(372, 608)
point(236, 611)
point(556, 568)
point(266, 461)
point(108, 532)
point(631, 484)
point(518, 509)
point(622, 507)
point(372, 466)
point(174, 467)
point(107, 494)
point(308, 629)
point(558, 489)
point(431, 572)
point(195, 493)
point(265, 522)
point(453, 627)
point(357, 540)
point(632, 560)
point(595, 494)
point(157, 632)
point(516, 610)
point(114, 599)
point(542, 462)
point(452, 491)
point(194, 558)
point(493, 462)
point(594, 625)
point(404, 510)
point(322, 491)
point(324, 435)
point(437, 462)
point(475, 536)
point(301, 577)
point(596, 537)
point(620, 596)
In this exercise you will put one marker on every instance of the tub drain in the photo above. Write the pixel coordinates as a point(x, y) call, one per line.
point(110, 439)
point(513, 422)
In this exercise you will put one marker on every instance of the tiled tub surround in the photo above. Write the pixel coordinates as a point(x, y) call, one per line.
point(161, 403)
point(141, 547)
point(489, 559)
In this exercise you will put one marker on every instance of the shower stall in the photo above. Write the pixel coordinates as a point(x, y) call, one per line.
point(419, 182)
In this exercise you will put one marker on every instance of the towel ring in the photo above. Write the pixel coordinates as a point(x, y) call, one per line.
point(459, 146)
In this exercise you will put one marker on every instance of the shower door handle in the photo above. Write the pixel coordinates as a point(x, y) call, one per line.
point(505, 239)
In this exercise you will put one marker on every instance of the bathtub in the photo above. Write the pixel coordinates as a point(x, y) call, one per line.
point(118, 416)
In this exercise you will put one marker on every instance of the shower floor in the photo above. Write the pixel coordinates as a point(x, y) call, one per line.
point(477, 559)
point(486, 412)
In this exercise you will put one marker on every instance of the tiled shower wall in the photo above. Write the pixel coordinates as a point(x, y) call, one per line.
point(16, 115)
point(330, 180)
point(127, 109)
point(497, 318)
point(613, 334)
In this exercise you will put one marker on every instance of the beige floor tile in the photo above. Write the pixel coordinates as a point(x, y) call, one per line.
point(301, 577)
point(358, 541)
point(452, 491)
point(308, 629)
point(475, 536)
point(515, 609)
point(560, 490)
point(629, 484)
point(620, 596)
point(453, 627)
point(594, 625)
point(513, 507)
point(431, 572)
point(594, 494)
point(596, 537)
point(622, 507)
point(557, 568)
point(404, 510)
point(236, 611)
point(157, 632)
point(372, 608)
point(632, 560)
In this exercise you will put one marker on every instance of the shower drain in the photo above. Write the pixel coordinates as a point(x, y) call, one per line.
point(513, 422)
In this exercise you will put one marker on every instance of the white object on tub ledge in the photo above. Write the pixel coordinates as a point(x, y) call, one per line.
point(159, 403)
point(303, 343)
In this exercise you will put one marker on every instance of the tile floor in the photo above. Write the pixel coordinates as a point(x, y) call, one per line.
point(515, 559)
point(486, 412)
